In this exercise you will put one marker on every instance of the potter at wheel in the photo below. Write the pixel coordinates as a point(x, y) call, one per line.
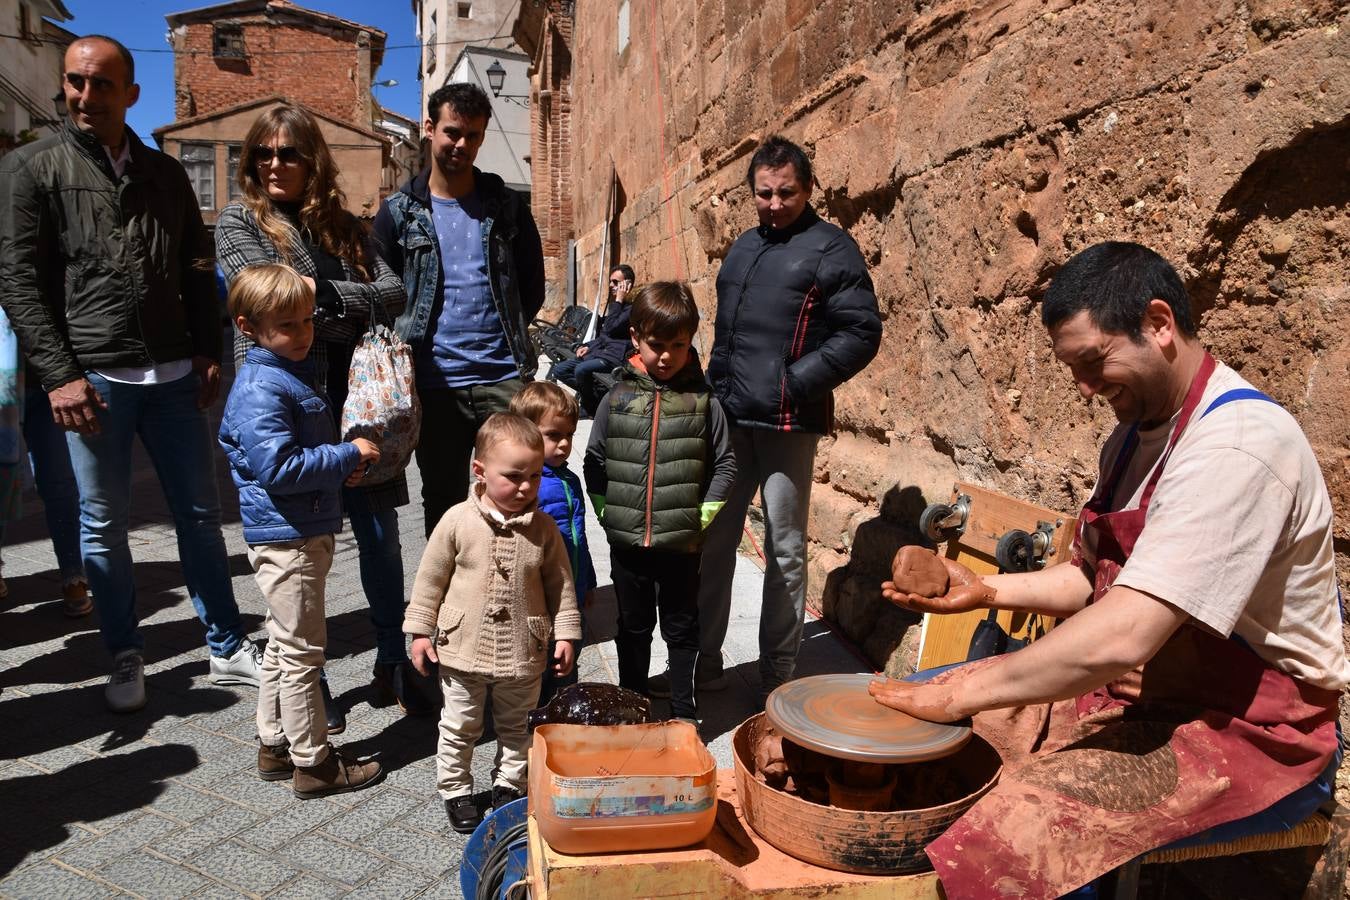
point(834, 715)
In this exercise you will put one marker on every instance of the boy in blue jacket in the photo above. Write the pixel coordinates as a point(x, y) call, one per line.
point(560, 495)
point(282, 444)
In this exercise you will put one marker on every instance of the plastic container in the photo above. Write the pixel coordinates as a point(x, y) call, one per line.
point(611, 788)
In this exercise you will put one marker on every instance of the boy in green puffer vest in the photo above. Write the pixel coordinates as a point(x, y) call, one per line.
point(658, 468)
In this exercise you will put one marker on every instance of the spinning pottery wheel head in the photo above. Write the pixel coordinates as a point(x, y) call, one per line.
point(834, 715)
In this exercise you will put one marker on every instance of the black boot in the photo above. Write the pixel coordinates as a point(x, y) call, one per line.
point(337, 719)
point(415, 693)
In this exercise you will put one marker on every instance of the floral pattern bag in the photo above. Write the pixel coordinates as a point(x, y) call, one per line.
point(382, 404)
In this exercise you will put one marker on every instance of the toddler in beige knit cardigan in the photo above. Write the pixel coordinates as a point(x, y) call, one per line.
point(494, 586)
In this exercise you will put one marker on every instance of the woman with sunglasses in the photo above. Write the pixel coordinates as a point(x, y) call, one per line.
point(293, 212)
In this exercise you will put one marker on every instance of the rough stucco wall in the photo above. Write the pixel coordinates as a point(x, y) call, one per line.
point(970, 148)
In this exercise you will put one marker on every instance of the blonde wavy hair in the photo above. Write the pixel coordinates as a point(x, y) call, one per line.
point(322, 203)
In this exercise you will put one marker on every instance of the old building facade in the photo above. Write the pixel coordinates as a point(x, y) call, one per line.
point(31, 54)
point(446, 27)
point(230, 61)
point(970, 148)
point(544, 33)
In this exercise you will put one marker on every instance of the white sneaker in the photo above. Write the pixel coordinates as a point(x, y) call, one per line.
point(245, 667)
point(126, 686)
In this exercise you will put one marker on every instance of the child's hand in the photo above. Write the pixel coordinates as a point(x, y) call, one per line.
point(564, 654)
point(424, 655)
point(370, 454)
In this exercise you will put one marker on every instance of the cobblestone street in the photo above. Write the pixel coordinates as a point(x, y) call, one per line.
point(165, 802)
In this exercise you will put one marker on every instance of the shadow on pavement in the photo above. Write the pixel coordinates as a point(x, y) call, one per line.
point(86, 792)
point(44, 722)
point(83, 655)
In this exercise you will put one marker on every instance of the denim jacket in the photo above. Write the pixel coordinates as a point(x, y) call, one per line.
point(406, 234)
point(282, 444)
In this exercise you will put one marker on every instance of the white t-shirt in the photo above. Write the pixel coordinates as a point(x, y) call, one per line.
point(1238, 533)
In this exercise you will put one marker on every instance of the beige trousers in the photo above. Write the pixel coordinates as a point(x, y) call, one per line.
point(462, 724)
point(290, 708)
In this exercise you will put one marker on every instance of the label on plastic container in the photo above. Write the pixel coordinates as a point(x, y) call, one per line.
point(610, 798)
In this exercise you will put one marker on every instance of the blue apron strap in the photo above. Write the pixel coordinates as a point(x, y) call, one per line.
point(1236, 394)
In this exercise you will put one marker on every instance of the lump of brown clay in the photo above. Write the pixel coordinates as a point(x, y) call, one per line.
point(770, 767)
point(918, 571)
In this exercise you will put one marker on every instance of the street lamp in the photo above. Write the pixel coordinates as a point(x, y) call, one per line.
point(496, 76)
point(58, 104)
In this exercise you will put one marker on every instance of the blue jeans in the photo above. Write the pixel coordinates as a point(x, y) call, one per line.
point(177, 437)
point(579, 374)
point(55, 479)
point(381, 561)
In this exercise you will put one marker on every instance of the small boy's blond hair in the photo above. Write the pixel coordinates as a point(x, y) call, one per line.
point(539, 398)
point(267, 290)
point(507, 426)
point(664, 310)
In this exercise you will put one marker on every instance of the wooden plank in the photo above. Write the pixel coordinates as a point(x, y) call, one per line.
point(993, 515)
point(946, 639)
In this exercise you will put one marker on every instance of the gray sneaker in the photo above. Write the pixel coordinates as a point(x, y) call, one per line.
point(245, 667)
point(126, 686)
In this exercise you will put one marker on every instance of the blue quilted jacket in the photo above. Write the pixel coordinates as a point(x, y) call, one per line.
point(282, 444)
point(561, 496)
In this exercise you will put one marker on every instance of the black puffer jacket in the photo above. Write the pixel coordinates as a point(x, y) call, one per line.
point(101, 272)
point(796, 318)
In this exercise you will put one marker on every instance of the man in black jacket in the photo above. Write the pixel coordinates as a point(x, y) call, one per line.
point(105, 273)
point(796, 318)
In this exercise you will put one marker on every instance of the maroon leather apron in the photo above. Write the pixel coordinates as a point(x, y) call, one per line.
point(1204, 733)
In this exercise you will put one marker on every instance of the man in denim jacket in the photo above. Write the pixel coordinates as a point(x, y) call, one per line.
point(473, 266)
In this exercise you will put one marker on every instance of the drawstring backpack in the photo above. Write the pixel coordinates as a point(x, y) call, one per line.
point(382, 404)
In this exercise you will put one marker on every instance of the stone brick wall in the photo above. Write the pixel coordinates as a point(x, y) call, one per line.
point(546, 36)
point(970, 148)
point(326, 68)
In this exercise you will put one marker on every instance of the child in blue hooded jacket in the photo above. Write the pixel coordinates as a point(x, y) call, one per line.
point(561, 496)
point(286, 460)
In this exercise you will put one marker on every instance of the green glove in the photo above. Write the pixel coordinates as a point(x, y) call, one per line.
point(598, 504)
point(708, 511)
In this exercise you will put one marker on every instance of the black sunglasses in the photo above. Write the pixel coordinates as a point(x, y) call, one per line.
point(289, 156)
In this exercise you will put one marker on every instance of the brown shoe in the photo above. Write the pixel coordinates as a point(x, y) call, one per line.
point(274, 763)
point(334, 775)
point(75, 600)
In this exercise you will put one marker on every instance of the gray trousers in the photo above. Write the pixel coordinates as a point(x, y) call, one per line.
point(778, 464)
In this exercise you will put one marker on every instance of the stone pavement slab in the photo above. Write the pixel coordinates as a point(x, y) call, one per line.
point(164, 802)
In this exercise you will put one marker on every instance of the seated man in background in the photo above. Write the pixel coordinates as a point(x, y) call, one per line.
point(606, 351)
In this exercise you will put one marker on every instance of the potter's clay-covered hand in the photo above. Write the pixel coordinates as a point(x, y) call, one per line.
point(918, 571)
point(964, 590)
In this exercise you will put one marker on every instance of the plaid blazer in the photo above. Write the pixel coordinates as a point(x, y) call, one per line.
point(240, 243)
